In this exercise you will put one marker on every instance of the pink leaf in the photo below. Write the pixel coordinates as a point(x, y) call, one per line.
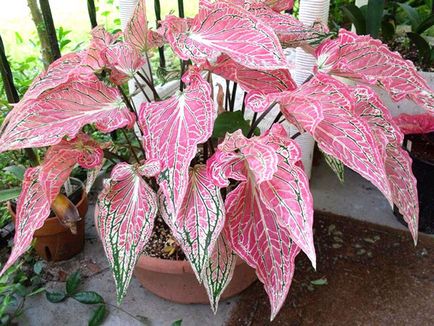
point(263, 81)
point(397, 161)
point(224, 28)
point(200, 219)
point(136, 31)
point(270, 213)
point(291, 32)
point(58, 73)
point(276, 5)
point(63, 111)
point(42, 184)
point(366, 59)
point(260, 241)
point(219, 270)
point(123, 60)
point(172, 129)
point(340, 132)
point(124, 215)
point(415, 124)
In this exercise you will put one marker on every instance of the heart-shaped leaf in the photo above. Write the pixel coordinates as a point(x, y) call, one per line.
point(88, 297)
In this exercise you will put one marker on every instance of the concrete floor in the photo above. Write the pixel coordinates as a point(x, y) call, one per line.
point(355, 198)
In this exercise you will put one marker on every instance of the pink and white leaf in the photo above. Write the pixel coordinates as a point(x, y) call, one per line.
point(136, 31)
point(63, 111)
point(341, 132)
point(200, 219)
point(222, 27)
point(124, 216)
point(265, 81)
point(291, 31)
point(172, 129)
point(398, 163)
point(219, 270)
point(366, 59)
point(415, 124)
point(42, 184)
point(125, 61)
point(58, 73)
point(260, 241)
point(287, 194)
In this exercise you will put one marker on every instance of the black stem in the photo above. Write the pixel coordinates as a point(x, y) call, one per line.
point(256, 122)
point(142, 89)
point(181, 83)
point(157, 9)
point(92, 13)
point(228, 96)
point(294, 136)
point(243, 106)
point(234, 93)
point(276, 120)
point(130, 146)
point(205, 152)
point(150, 85)
point(51, 30)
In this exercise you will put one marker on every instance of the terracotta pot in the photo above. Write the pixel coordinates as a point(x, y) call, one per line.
point(54, 241)
point(175, 280)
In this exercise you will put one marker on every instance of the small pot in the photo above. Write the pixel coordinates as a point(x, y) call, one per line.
point(423, 171)
point(175, 280)
point(54, 241)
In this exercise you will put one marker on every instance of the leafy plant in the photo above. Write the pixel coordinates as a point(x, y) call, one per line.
point(86, 297)
point(178, 169)
point(16, 285)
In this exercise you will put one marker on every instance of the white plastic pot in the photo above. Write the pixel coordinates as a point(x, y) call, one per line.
point(311, 11)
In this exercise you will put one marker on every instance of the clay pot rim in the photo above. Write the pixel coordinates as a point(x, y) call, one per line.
point(168, 266)
point(83, 198)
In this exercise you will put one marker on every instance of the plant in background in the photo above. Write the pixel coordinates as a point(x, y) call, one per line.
point(178, 170)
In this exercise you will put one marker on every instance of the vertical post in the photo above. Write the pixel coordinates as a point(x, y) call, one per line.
point(50, 29)
point(157, 8)
point(7, 77)
point(311, 11)
point(92, 13)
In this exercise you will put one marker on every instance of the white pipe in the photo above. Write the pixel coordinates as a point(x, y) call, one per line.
point(311, 11)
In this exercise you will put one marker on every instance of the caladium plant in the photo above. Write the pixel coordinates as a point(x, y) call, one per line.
point(244, 195)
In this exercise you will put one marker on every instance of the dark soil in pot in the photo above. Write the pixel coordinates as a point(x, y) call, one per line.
point(164, 270)
point(421, 149)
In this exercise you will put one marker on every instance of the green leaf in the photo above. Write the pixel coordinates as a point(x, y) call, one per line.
point(98, 316)
point(374, 18)
point(55, 297)
point(424, 25)
point(73, 282)
point(355, 15)
point(412, 14)
point(8, 194)
point(230, 122)
point(88, 297)
point(37, 267)
point(336, 165)
point(177, 322)
point(319, 282)
point(16, 170)
point(422, 45)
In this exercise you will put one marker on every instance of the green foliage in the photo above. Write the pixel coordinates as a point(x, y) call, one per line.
point(230, 122)
point(17, 284)
point(73, 283)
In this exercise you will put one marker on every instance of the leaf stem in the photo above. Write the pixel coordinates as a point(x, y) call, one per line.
point(261, 117)
point(130, 146)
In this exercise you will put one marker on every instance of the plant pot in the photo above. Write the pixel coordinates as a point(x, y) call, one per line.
point(54, 241)
point(423, 171)
point(175, 280)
